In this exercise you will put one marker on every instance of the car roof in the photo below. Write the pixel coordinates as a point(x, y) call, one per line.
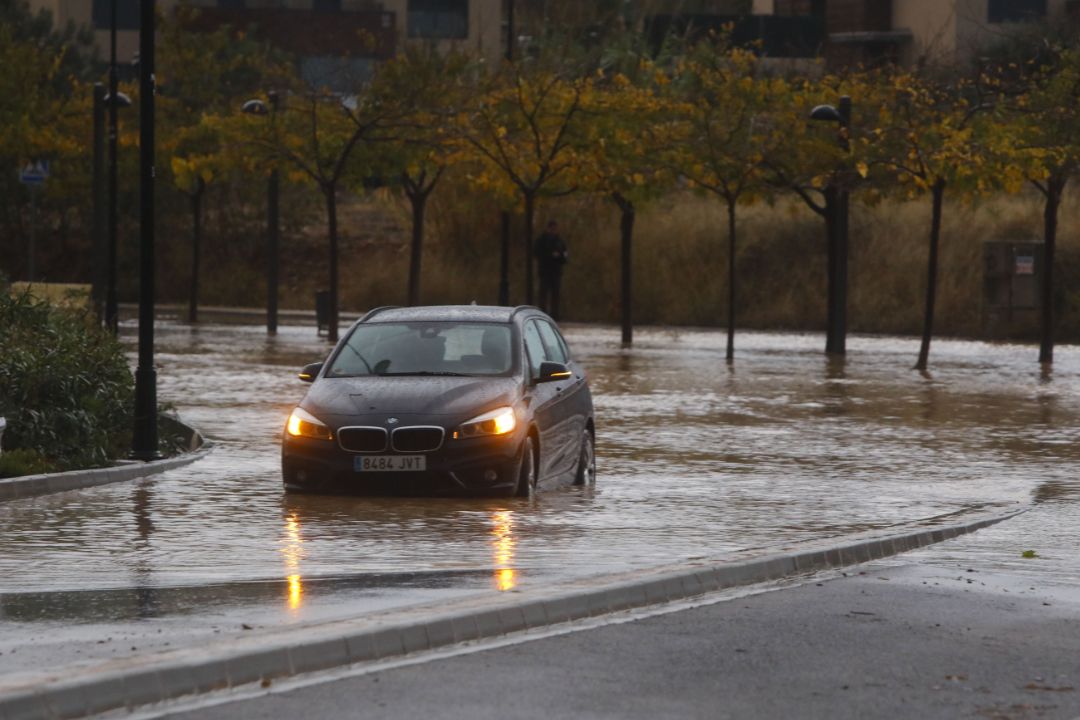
point(448, 313)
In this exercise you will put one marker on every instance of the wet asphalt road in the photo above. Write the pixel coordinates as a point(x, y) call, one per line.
point(695, 459)
point(971, 628)
point(908, 642)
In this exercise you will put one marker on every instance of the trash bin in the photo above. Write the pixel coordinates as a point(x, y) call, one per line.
point(322, 310)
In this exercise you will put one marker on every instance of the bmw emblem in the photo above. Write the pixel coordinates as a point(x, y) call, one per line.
point(391, 421)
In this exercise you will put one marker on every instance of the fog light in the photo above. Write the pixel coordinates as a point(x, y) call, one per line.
point(491, 475)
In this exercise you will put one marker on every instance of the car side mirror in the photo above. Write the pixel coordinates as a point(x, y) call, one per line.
point(553, 372)
point(310, 372)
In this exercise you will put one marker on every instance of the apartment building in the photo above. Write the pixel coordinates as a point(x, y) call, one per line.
point(915, 31)
point(319, 32)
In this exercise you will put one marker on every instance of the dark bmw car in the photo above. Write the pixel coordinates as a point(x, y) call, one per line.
point(443, 400)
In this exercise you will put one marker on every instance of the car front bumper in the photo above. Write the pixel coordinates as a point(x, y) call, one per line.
point(476, 466)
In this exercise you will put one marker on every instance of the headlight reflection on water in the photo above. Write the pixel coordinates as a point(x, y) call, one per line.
point(292, 550)
point(503, 545)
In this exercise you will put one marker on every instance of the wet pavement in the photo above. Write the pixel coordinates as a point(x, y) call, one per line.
point(695, 459)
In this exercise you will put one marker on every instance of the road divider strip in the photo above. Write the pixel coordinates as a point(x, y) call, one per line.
point(138, 681)
point(31, 485)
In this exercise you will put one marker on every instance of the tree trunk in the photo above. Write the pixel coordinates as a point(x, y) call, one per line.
point(418, 201)
point(331, 219)
point(626, 232)
point(196, 247)
point(530, 209)
point(938, 193)
point(731, 281)
point(1054, 189)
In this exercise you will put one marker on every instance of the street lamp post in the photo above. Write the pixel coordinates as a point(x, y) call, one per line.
point(504, 246)
point(145, 437)
point(105, 202)
point(273, 233)
point(114, 100)
point(98, 192)
point(836, 218)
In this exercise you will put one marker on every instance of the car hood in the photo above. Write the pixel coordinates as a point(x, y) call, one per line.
point(362, 397)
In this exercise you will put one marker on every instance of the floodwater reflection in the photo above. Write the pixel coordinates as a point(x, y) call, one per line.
point(292, 551)
point(503, 543)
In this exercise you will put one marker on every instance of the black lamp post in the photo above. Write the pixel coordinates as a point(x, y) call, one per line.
point(836, 218)
point(258, 107)
point(101, 102)
point(98, 201)
point(504, 248)
point(145, 437)
point(121, 100)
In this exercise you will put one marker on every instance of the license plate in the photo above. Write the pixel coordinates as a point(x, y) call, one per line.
point(389, 463)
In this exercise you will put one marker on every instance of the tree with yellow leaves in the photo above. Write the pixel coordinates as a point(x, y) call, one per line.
point(330, 140)
point(621, 161)
point(203, 75)
point(926, 134)
point(719, 105)
point(525, 130)
point(423, 146)
point(1039, 133)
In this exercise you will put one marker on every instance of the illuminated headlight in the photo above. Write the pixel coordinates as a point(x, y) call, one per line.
point(499, 421)
point(304, 424)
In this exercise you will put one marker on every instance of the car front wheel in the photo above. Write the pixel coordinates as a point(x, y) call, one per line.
point(527, 471)
point(586, 469)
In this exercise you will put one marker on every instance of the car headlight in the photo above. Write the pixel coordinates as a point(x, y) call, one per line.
point(499, 421)
point(304, 424)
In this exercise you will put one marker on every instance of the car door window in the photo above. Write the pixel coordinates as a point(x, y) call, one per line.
point(553, 349)
point(535, 347)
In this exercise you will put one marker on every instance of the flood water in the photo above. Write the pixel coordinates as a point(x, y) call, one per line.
point(695, 459)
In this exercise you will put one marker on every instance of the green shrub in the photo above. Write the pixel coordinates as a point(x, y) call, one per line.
point(14, 463)
point(65, 386)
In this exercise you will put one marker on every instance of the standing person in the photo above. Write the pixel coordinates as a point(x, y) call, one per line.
point(550, 253)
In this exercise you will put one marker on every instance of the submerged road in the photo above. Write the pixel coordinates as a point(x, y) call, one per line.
point(696, 459)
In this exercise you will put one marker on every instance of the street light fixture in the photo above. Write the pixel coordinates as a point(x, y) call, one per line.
point(258, 107)
point(836, 217)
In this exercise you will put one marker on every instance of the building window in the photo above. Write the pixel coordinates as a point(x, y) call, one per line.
point(438, 19)
point(127, 14)
point(326, 6)
point(1001, 11)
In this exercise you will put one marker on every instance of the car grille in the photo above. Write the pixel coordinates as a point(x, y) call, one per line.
point(362, 439)
point(417, 439)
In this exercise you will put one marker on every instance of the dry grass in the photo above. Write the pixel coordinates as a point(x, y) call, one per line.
point(680, 262)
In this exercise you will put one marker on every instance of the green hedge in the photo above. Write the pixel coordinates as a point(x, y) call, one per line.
point(65, 388)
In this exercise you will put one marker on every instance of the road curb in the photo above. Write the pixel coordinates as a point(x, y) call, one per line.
point(131, 682)
point(31, 485)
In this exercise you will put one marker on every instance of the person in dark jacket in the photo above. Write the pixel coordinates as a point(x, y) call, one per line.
point(550, 253)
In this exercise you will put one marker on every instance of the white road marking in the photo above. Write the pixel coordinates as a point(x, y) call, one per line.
point(289, 684)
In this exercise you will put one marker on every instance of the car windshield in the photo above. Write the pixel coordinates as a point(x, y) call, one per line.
point(425, 348)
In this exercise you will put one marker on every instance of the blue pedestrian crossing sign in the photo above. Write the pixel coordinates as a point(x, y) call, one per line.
point(34, 173)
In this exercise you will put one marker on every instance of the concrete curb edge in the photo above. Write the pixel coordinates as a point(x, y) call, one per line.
point(32, 485)
point(168, 676)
